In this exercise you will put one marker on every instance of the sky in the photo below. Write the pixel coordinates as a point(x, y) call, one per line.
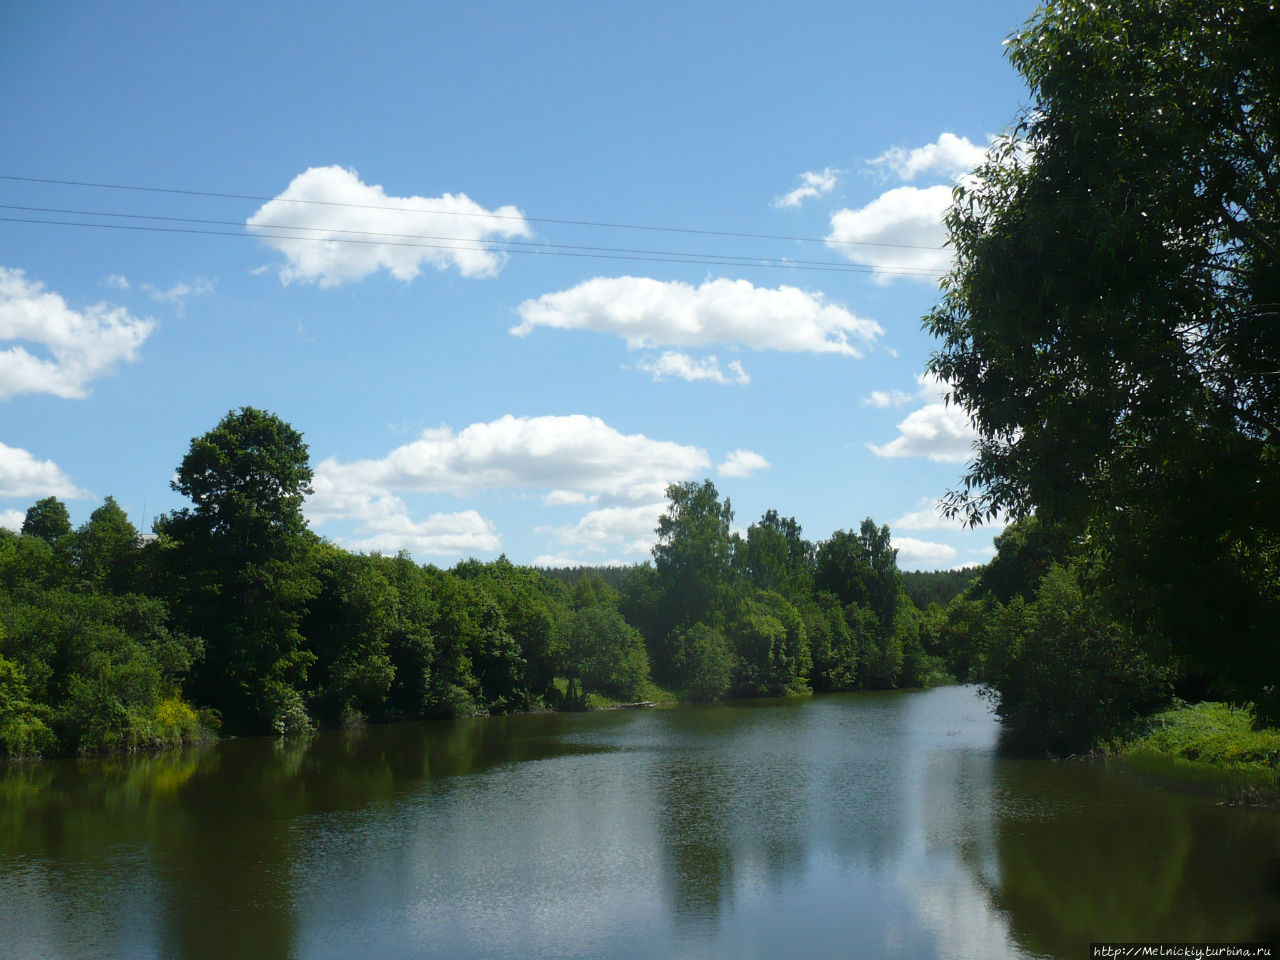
point(510, 268)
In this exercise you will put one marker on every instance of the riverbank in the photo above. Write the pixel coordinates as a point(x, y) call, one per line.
point(1213, 747)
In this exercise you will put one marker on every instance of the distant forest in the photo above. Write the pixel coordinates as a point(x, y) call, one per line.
point(237, 618)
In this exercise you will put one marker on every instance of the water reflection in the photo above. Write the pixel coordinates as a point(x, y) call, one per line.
point(877, 825)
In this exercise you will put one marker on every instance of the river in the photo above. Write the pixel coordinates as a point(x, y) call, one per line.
point(859, 825)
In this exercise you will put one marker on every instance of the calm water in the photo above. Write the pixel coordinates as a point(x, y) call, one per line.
point(842, 826)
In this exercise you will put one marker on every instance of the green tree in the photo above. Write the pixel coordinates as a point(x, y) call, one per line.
point(692, 558)
point(47, 519)
point(348, 627)
point(243, 571)
point(1062, 672)
point(770, 646)
point(703, 662)
point(105, 547)
point(775, 556)
point(604, 652)
point(1110, 323)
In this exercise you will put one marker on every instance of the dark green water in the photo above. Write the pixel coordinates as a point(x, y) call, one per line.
point(842, 826)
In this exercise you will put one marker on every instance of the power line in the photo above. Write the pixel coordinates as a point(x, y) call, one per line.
point(479, 244)
point(726, 261)
point(461, 213)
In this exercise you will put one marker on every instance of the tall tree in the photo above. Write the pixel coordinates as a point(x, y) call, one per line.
point(105, 546)
point(694, 552)
point(244, 568)
point(47, 519)
point(1111, 320)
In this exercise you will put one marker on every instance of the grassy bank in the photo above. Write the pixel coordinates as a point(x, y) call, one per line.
point(1209, 746)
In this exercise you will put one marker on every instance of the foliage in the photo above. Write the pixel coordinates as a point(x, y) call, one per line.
point(703, 661)
point(1110, 323)
point(937, 586)
point(47, 519)
point(1216, 745)
point(604, 652)
point(23, 730)
point(243, 572)
point(694, 552)
point(770, 646)
point(1062, 672)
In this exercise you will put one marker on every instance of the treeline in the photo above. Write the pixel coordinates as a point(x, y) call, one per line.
point(1109, 324)
point(238, 618)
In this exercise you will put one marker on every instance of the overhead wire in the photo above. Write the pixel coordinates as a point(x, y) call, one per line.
point(489, 245)
point(464, 213)
point(483, 245)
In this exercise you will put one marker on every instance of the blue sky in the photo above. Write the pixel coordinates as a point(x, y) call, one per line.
point(471, 379)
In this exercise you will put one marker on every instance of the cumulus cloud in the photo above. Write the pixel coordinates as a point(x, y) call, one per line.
point(22, 475)
point(651, 313)
point(626, 530)
point(354, 229)
point(888, 398)
point(117, 281)
point(812, 184)
point(899, 233)
point(440, 535)
point(940, 431)
point(577, 454)
point(78, 346)
point(948, 156)
point(912, 551)
point(742, 463)
point(684, 367)
point(12, 520)
point(928, 515)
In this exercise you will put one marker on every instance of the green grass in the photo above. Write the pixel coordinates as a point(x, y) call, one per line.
point(1207, 745)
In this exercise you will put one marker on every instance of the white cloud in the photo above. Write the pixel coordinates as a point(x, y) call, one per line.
point(742, 463)
point(651, 313)
point(915, 551)
point(396, 234)
point(178, 293)
point(22, 475)
point(900, 233)
point(440, 535)
point(558, 498)
point(685, 367)
point(12, 520)
point(940, 431)
point(888, 398)
point(117, 281)
point(563, 559)
point(926, 516)
point(627, 530)
point(948, 156)
point(576, 453)
point(81, 346)
point(812, 184)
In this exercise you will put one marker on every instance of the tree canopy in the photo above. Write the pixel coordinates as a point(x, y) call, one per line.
point(1111, 322)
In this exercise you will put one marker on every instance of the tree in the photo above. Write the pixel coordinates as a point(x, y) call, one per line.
point(775, 556)
point(47, 519)
point(604, 652)
point(1111, 319)
point(104, 547)
point(244, 568)
point(692, 558)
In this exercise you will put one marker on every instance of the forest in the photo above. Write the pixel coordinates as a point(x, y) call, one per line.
point(238, 619)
